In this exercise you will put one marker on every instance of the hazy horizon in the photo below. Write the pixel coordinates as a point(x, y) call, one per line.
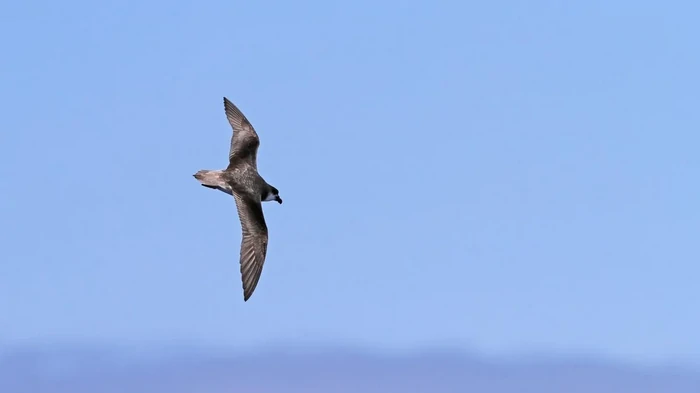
point(311, 346)
point(325, 369)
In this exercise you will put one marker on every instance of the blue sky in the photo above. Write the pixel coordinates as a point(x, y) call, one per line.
point(504, 177)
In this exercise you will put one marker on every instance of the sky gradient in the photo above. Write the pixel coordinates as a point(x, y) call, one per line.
point(501, 177)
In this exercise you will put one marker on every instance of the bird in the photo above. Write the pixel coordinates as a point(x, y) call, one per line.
point(241, 180)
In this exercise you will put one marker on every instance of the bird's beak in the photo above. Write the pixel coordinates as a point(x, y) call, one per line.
point(278, 199)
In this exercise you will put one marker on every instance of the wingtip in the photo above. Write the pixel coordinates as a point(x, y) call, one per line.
point(229, 107)
point(246, 293)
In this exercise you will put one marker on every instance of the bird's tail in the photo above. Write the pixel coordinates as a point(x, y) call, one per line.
point(209, 178)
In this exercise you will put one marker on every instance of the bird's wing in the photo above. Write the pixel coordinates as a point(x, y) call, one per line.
point(253, 242)
point(244, 141)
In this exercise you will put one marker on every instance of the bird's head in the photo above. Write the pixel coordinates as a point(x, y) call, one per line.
point(273, 195)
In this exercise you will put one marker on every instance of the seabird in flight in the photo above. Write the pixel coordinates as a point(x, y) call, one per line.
point(241, 180)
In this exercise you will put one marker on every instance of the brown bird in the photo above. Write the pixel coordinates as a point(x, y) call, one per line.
point(241, 180)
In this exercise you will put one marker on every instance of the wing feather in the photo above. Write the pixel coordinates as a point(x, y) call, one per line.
point(253, 242)
point(244, 141)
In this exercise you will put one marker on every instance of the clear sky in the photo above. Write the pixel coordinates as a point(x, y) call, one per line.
point(497, 176)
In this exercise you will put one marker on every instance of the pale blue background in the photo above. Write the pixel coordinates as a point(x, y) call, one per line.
point(504, 177)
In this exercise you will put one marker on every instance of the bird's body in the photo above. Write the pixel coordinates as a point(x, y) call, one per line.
point(242, 181)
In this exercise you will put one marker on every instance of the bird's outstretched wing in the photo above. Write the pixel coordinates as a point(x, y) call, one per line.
point(253, 242)
point(244, 141)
